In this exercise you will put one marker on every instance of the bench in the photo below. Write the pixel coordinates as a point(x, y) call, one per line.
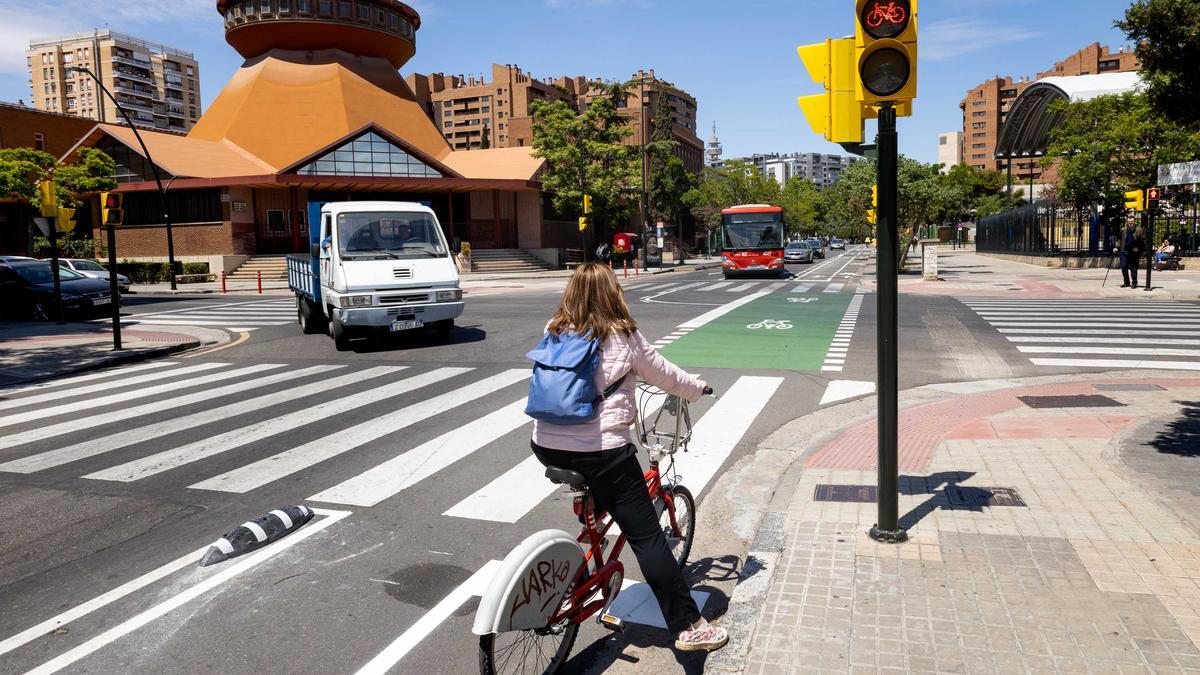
point(1174, 263)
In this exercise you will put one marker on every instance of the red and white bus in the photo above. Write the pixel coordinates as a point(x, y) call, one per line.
point(752, 240)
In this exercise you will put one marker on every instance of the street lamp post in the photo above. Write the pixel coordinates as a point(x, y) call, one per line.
point(162, 192)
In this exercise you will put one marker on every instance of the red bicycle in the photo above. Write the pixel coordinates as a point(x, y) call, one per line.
point(548, 585)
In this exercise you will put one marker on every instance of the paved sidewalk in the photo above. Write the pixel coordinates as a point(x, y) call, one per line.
point(37, 351)
point(1043, 539)
point(962, 272)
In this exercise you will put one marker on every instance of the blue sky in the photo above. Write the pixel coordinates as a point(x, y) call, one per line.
point(738, 59)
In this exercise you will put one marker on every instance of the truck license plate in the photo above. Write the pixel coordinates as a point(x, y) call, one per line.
point(101, 301)
point(398, 326)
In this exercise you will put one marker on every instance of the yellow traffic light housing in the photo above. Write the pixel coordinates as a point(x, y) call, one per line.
point(48, 196)
point(583, 223)
point(1135, 200)
point(872, 217)
point(587, 204)
point(836, 113)
point(112, 208)
point(66, 220)
point(886, 45)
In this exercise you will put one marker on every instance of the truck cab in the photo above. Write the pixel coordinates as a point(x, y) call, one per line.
point(376, 267)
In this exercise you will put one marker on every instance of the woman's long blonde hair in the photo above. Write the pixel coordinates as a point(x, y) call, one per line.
point(594, 304)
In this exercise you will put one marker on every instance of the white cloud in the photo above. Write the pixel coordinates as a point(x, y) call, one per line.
point(949, 38)
point(32, 21)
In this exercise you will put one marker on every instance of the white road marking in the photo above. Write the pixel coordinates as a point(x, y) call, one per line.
point(717, 286)
point(1113, 331)
point(407, 469)
point(319, 450)
point(474, 586)
point(509, 497)
point(194, 322)
point(776, 286)
point(108, 386)
point(1118, 363)
point(236, 438)
point(1106, 340)
point(124, 397)
point(636, 604)
point(834, 288)
point(841, 390)
point(715, 435)
point(174, 602)
point(802, 288)
point(739, 289)
point(1051, 324)
point(98, 375)
point(721, 311)
point(1119, 351)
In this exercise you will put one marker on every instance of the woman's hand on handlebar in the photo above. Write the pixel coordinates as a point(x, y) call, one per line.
point(707, 390)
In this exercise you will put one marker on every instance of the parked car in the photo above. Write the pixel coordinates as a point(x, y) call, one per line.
point(27, 292)
point(797, 252)
point(13, 258)
point(837, 244)
point(91, 268)
point(818, 249)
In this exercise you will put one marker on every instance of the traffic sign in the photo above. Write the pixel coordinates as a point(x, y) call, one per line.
point(1184, 173)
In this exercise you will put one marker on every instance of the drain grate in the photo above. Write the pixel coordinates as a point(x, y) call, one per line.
point(1127, 387)
point(845, 493)
point(973, 497)
point(1082, 401)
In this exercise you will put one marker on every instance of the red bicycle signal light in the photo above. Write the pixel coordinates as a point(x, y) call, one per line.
point(112, 201)
point(883, 19)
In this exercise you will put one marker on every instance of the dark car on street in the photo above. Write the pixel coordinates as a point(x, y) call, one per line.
point(27, 292)
point(818, 249)
point(837, 244)
point(797, 252)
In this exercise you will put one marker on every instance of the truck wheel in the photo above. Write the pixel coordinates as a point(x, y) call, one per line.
point(444, 328)
point(309, 317)
point(339, 333)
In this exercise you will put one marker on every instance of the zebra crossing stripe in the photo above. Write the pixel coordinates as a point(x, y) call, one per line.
point(407, 469)
point(299, 458)
point(107, 386)
point(201, 322)
point(231, 440)
point(1118, 363)
point(776, 286)
point(717, 286)
point(1113, 331)
point(509, 497)
point(148, 392)
point(1049, 323)
point(1120, 351)
point(1107, 340)
point(834, 288)
point(99, 375)
point(739, 289)
point(98, 446)
point(141, 435)
point(803, 288)
point(718, 432)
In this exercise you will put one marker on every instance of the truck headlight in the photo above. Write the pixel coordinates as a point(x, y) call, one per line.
point(354, 301)
point(450, 296)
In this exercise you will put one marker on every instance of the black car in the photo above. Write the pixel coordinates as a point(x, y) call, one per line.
point(27, 292)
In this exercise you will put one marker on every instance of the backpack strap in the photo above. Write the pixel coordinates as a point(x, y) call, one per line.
point(612, 388)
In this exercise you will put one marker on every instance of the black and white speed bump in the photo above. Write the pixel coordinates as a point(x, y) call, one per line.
point(254, 534)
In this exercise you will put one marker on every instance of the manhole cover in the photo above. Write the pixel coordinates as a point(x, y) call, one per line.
point(845, 493)
point(1127, 387)
point(1082, 401)
point(978, 497)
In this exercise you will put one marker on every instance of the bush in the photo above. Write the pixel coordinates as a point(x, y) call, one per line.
point(155, 272)
point(69, 246)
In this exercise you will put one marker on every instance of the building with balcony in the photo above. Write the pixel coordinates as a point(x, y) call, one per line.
point(159, 86)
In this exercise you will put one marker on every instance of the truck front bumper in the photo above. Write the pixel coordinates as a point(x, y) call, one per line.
point(382, 317)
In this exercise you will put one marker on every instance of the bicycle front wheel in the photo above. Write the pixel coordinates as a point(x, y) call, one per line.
point(544, 650)
point(680, 542)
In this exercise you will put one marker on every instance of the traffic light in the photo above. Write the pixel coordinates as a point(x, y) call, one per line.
point(1135, 200)
point(835, 114)
point(583, 223)
point(872, 218)
point(1152, 196)
point(66, 220)
point(48, 194)
point(112, 208)
point(587, 205)
point(886, 44)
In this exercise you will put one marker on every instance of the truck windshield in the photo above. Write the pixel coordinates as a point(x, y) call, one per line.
point(393, 234)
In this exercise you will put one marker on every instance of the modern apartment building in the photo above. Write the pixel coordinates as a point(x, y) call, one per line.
point(470, 109)
point(159, 86)
point(950, 150)
point(986, 106)
point(821, 170)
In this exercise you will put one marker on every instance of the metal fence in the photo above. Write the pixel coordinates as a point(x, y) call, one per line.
point(1047, 228)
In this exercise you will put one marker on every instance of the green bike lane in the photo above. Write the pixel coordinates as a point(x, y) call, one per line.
point(777, 331)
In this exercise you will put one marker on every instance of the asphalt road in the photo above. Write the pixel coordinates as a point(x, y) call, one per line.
point(414, 452)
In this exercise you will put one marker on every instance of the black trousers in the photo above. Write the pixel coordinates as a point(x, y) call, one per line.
point(1129, 267)
point(618, 485)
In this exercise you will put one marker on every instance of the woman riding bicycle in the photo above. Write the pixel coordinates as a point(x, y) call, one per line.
point(603, 452)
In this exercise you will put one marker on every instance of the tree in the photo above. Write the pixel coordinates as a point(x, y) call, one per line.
point(732, 184)
point(799, 201)
point(584, 154)
point(668, 181)
point(1167, 35)
point(22, 169)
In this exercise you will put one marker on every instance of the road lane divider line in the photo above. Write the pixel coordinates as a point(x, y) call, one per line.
point(721, 311)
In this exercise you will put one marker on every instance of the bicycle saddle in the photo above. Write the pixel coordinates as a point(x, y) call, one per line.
point(564, 476)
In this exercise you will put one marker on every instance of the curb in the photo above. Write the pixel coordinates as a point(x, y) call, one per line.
point(111, 360)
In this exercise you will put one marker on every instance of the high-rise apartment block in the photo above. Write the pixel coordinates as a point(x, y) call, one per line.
point(474, 113)
point(986, 107)
point(159, 86)
point(820, 170)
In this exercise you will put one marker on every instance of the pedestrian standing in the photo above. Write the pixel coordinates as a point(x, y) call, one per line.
point(1131, 255)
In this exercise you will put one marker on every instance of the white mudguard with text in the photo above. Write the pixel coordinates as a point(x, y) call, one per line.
point(530, 585)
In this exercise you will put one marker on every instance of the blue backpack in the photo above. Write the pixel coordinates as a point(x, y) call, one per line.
point(563, 389)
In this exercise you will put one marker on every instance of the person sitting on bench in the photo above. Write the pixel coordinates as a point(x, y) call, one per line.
point(1164, 252)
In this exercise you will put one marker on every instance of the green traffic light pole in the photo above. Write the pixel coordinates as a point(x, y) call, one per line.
point(162, 192)
point(887, 527)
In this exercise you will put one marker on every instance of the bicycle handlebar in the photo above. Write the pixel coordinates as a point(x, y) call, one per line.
point(708, 391)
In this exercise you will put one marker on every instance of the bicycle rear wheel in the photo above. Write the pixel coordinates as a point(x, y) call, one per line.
point(685, 516)
point(544, 650)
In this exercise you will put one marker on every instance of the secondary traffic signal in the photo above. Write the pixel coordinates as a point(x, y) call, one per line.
point(587, 204)
point(66, 220)
point(872, 218)
point(583, 223)
point(112, 208)
point(886, 43)
point(48, 194)
point(1135, 200)
point(1152, 196)
point(835, 114)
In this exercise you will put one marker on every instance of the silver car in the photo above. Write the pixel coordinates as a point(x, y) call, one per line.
point(91, 268)
point(797, 252)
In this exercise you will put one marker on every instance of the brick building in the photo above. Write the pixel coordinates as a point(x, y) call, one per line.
point(986, 108)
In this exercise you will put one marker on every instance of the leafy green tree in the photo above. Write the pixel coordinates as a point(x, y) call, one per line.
point(799, 201)
point(732, 184)
point(1167, 35)
point(584, 154)
point(22, 169)
point(668, 181)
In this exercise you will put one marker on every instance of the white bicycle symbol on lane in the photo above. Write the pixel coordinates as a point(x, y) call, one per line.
point(803, 301)
point(771, 324)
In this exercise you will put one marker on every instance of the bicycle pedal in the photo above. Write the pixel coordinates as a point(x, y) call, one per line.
point(613, 623)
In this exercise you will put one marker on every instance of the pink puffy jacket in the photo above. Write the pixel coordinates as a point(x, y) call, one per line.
point(618, 355)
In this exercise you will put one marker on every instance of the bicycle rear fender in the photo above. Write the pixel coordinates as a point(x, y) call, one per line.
point(530, 585)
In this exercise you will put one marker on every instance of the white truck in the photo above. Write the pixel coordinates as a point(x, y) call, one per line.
point(374, 268)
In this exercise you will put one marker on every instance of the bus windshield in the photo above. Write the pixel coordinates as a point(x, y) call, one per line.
point(753, 231)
